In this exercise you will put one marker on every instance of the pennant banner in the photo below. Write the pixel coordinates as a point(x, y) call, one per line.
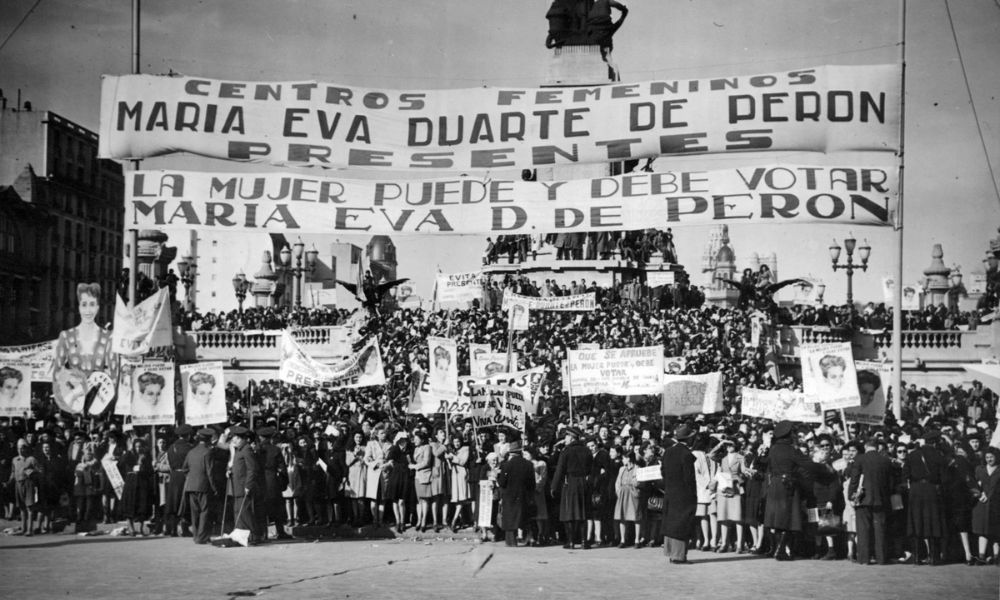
point(826, 109)
point(204, 389)
point(358, 370)
point(144, 327)
point(15, 388)
point(874, 379)
point(287, 202)
point(691, 394)
point(616, 371)
point(781, 405)
point(828, 374)
point(585, 302)
point(153, 394)
point(527, 383)
point(460, 287)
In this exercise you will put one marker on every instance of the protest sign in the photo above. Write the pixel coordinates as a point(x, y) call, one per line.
point(616, 371)
point(574, 302)
point(674, 365)
point(527, 383)
point(781, 405)
point(828, 374)
point(143, 327)
point(497, 406)
point(830, 108)
point(485, 504)
point(153, 394)
point(648, 473)
point(39, 357)
point(691, 394)
point(123, 405)
point(518, 317)
point(911, 293)
point(357, 370)
point(806, 293)
point(204, 389)
point(15, 388)
point(873, 380)
point(475, 352)
point(443, 373)
point(113, 474)
point(459, 287)
point(659, 278)
point(487, 364)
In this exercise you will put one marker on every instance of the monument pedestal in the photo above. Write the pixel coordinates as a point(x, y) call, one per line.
point(576, 66)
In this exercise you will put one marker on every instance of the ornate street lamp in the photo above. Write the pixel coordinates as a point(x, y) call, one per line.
point(241, 285)
point(187, 269)
point(297, 270)
point(850, 244)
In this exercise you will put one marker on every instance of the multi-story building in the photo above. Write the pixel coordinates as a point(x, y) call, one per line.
point(61, 212)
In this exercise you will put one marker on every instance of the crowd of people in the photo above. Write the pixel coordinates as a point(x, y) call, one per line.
point(356, 457)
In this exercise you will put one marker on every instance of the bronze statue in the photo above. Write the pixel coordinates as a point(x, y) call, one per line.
point(583, 23)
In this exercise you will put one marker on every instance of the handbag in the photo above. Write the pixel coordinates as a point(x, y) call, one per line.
point(829, 522)
point(597, 500)
point(654, 503)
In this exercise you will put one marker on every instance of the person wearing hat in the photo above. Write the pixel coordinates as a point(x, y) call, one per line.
point(871, 488)
point(680, 496)
point(243, 482)
point(790, 470)
point(924, 471)
point(570, 483)
point(275, 481)
point(199, 487)
point(517, 484)
point(174, 509)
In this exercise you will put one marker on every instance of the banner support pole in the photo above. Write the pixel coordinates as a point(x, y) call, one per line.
point(897, 297)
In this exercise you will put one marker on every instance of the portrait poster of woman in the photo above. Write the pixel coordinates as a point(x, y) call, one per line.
point(204, 393)
point(829, 375)
point(15, 389)
point(80, 351)
point(443, 372)
point(153, 394)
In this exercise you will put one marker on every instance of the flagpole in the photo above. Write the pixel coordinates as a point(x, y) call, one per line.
point(897, 298)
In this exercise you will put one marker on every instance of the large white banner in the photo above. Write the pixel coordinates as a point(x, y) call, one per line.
point(527, 383)
point(15, 388)
point(442, 354)
point(143, 327)
point(828, 374)
point(299, 203)
point(153, 394)
point(873, 380)
point(204, 389)
point(826, 109)
point(780, 405)
point(460, 287)
point(691, 394)
point(585, 302)
point(358, 370)
point(616, 371)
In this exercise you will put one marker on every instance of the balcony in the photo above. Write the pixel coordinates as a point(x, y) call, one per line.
point(260, 348)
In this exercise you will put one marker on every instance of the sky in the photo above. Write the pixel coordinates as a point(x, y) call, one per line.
point(952, 139)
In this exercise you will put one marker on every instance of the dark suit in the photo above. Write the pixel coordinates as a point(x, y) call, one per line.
point(243, 486)
point(873, 505)
point(275, 482)
point(199, 487)
point(680, 499)
point(517, 485)
point(174, 502)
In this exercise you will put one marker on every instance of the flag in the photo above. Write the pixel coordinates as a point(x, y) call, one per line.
point(144, 327)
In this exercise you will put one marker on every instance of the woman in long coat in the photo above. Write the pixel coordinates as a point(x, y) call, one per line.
point(439, 480)
point(354, 458)
point(627, 506)
point(136, 467)
point(459, 493)
point(397, 465)
point(986, 513)
point(376, 453)
point(423, 466)
point(924, 470)
point(789, 469)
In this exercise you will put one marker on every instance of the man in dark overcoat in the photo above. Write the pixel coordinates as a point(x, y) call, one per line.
point(871, 490)
point(517, 489)
point(275, 481)
point(174, 504)
point(570, 483)
point(680, 496)
point(243, 482)
point(791, 472)
point(199, 487)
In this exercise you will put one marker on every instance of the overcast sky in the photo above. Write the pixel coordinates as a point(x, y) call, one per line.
point(57, 56)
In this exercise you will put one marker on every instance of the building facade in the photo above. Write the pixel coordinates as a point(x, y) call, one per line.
point(62, 213)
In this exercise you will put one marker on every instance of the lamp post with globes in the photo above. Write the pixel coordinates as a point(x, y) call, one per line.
point(957, 290)
point(187, 269)
point(298, 269)
point(241, 285)
point(863, 253)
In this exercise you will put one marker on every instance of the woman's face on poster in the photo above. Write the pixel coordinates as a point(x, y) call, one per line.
point(834, 376)
point(151, 393)
point(88, 308)
point(203, 393)
point(9, 388)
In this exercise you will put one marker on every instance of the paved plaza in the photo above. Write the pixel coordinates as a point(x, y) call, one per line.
point(67, 566)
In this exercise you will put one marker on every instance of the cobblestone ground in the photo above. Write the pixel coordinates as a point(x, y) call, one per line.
point(67, 566)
